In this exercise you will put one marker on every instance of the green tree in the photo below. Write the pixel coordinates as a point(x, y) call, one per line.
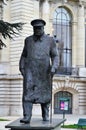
point(9, 30)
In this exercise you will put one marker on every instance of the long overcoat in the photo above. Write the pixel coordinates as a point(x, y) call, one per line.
point(39, 56)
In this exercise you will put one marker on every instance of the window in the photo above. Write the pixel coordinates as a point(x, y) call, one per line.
point(62, 32)
point(57, 97)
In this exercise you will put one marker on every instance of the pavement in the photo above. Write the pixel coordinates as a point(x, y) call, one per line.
point(70, 119)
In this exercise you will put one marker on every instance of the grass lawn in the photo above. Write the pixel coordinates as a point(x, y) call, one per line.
point(73, 126)
point(4, 119)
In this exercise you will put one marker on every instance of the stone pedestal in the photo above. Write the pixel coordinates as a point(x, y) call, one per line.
point(36, 124)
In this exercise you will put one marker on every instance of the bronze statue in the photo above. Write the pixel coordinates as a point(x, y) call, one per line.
point(38, 62)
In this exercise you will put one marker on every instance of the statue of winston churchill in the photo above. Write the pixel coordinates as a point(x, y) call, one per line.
point(38, 63)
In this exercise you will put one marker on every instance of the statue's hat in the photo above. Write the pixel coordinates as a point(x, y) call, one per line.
point(38, 22)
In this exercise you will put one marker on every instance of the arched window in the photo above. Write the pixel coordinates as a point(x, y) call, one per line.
point(57, 97)
point(62, 33)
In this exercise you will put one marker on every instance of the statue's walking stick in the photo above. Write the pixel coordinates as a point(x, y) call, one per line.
point(51, 101)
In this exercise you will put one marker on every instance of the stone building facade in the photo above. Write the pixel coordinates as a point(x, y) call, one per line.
point(66, 20)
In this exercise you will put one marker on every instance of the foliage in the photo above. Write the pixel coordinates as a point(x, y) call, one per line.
point(9, 30)
point(72, 126)
point(3, 119)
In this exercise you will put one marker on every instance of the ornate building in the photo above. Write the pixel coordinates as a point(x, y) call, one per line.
point(66, 22)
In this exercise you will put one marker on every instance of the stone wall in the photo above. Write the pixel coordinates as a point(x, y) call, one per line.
point(10, 95)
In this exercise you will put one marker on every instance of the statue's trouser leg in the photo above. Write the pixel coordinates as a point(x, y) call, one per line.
point(27, 109)
point(45, 111)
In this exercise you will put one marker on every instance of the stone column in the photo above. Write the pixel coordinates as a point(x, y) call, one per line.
point(81, 37)
point(36, 9)
point(45, 15)
point(74, 43)
point(21, 11)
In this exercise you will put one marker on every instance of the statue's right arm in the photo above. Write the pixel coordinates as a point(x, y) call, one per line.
point(22, 59)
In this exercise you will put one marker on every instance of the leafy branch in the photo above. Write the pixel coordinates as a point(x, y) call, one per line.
point(9, 30)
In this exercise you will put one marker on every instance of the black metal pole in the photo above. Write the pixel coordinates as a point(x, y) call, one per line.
point(63, 116)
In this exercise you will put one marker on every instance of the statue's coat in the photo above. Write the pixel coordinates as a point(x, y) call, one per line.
point(35, 60)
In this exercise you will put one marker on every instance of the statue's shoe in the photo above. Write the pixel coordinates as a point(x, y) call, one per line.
point(46, 118)
point(25, 120)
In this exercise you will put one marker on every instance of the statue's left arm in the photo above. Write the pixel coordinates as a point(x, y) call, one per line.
point(54, 56)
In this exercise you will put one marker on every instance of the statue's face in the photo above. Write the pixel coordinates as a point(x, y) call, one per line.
point(38, 30)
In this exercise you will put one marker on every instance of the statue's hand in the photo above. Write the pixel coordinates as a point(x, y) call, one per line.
point(53, 71)
point(22, 72)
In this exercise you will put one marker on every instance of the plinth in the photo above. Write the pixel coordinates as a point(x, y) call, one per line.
point(36, 124)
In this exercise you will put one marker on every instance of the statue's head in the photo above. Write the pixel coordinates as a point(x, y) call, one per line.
point(38, 26)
